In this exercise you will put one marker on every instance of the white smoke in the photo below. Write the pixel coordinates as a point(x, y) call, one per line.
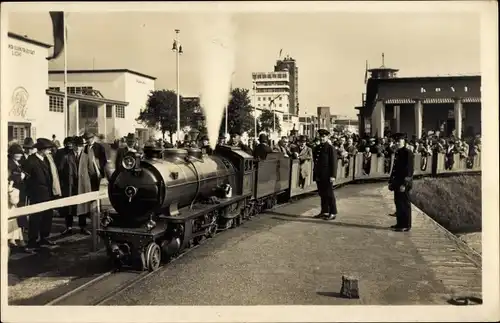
point(217, 51)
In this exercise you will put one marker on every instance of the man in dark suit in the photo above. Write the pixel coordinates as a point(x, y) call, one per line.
point(263, 148)
point(121, 152)
point(39, 188)
point(98, 160)
point(324, 173)
point(400, 182)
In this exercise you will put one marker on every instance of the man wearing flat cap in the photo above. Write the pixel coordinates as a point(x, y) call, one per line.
point(304, 154)
point(205, 145)
point(324, 173)
point(400, 182)
point(97, 158)
point(236, 142)
point(121, 152)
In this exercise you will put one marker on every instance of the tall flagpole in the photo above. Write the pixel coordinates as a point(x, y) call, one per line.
point(254, 113)
point(178, 94)
point(66, 114)
point(227, 130)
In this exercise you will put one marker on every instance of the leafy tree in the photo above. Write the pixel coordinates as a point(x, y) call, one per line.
point(266, 121)
point(161, 112)
point(239, 111)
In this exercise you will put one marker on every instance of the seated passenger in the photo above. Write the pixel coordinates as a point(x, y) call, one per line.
point(263, 148)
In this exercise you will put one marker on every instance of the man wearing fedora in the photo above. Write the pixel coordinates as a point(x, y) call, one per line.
point(262, 149)
point(324, 173)
point(40, 188)
point(29, 149)
point(97, 158)
point(121, 152)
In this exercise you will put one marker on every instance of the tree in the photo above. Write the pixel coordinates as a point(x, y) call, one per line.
point(239, 111)
point(266, 121)
point(161, 112)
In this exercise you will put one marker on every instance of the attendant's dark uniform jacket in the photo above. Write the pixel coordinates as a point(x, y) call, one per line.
point(325, 162)
point(402, 171)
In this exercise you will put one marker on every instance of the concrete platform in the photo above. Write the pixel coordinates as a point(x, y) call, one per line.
point(286, 257)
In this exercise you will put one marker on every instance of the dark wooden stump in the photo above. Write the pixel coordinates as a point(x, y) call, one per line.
point(349, 287)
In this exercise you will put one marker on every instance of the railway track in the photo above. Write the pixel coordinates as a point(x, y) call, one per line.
point(103, 287)
point(111, 283)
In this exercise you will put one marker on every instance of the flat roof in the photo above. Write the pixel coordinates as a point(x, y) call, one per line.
point(430, 78)
point(87, 98)
point(123, 70)
point(28, 40)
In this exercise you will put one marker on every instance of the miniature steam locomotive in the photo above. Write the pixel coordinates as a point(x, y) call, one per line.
point(171, 199)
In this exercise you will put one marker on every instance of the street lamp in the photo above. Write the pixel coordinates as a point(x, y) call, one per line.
point(274, 114)
point(177, 48)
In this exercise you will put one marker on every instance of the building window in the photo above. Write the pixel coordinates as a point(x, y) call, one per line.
point(258, 99)
point(109, 111)
point(280, 105)
point(56, 103)
point(120, 111)
point(82, 90)
point(88, 112)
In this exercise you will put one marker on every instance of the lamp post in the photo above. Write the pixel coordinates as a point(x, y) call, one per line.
point(177, 48)
point(272, 103)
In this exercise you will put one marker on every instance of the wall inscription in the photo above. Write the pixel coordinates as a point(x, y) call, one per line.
point(20, 98)
point(19, 50)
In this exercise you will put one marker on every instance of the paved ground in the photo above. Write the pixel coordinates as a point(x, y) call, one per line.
point(286, 257)
point(32, 275)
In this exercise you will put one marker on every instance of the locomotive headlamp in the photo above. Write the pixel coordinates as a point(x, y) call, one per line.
point(128, 162)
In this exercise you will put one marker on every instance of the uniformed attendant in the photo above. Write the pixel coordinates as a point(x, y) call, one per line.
point(400, 182)
point(324, 173)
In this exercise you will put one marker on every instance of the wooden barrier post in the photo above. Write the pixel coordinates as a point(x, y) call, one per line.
point(95, 225)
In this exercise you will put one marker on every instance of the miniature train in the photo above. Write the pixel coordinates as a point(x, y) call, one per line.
point(169, 200)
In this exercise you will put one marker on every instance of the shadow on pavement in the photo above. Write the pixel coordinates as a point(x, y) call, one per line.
point(330, 294)
point(298, 218)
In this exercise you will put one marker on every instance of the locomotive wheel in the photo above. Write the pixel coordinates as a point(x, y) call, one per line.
point(153, 256)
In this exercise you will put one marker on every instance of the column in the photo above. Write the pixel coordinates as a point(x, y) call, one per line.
point(378, 119)
point(418, 118)
point(101, 119)
point(113, 122)
point(458, 117)
point(397, 118)
point(73, 117)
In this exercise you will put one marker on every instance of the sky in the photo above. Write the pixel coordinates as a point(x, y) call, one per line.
point(330, 48)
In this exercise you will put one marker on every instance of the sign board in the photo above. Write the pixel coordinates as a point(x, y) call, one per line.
point(437, 88)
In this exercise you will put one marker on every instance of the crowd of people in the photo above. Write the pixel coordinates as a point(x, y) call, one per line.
point(42, 171)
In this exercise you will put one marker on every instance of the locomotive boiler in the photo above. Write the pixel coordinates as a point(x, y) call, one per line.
point(164, 185)
point(167, 200)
